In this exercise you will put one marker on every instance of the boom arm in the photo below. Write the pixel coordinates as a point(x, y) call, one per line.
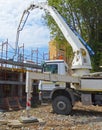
point(81, 62)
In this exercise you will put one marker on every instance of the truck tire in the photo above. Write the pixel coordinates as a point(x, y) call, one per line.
point(62, 105)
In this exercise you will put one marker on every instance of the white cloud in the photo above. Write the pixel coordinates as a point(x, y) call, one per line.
point(34, 34)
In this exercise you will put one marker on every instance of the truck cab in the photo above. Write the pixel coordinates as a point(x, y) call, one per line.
point(55, 67)
point(52, 67)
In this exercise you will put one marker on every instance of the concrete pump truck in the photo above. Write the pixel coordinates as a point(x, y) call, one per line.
point(65, 89)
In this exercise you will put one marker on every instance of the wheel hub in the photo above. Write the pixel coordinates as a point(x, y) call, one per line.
point(61, 105)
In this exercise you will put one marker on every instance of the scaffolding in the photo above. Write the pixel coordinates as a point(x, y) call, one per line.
point(30, 60)
point(13, 73)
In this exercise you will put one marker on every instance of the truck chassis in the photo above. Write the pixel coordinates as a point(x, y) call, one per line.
point(88, 90)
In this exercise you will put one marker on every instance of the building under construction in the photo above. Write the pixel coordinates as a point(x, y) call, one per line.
point(13, 72)
point(13, 75)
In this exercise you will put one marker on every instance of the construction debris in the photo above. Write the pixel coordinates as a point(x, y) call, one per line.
point(82, 118)
point(25, 119)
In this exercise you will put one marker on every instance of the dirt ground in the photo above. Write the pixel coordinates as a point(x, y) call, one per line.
point(81, 118)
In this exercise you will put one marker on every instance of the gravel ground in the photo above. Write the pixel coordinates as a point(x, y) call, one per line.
point(81, 118)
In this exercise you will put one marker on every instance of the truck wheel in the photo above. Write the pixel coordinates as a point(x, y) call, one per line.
point(62, 105)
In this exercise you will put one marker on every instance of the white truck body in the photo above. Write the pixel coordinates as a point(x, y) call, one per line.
point(91, 84)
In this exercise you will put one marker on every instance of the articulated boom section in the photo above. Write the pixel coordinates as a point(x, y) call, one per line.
point(81, 62)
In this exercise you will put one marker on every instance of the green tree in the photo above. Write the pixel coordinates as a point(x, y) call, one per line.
point(86, 17)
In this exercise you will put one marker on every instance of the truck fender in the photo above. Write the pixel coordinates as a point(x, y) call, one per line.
point(65, 92)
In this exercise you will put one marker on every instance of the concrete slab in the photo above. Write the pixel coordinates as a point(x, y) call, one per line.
point(30, 119)
point(3, 122)
point(15, 124)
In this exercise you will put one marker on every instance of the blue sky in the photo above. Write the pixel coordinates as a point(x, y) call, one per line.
point(35, 33)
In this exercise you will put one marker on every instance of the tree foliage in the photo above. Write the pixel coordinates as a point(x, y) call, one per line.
point(86, 17)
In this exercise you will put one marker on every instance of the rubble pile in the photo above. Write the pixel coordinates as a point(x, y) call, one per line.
point(81, 118)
